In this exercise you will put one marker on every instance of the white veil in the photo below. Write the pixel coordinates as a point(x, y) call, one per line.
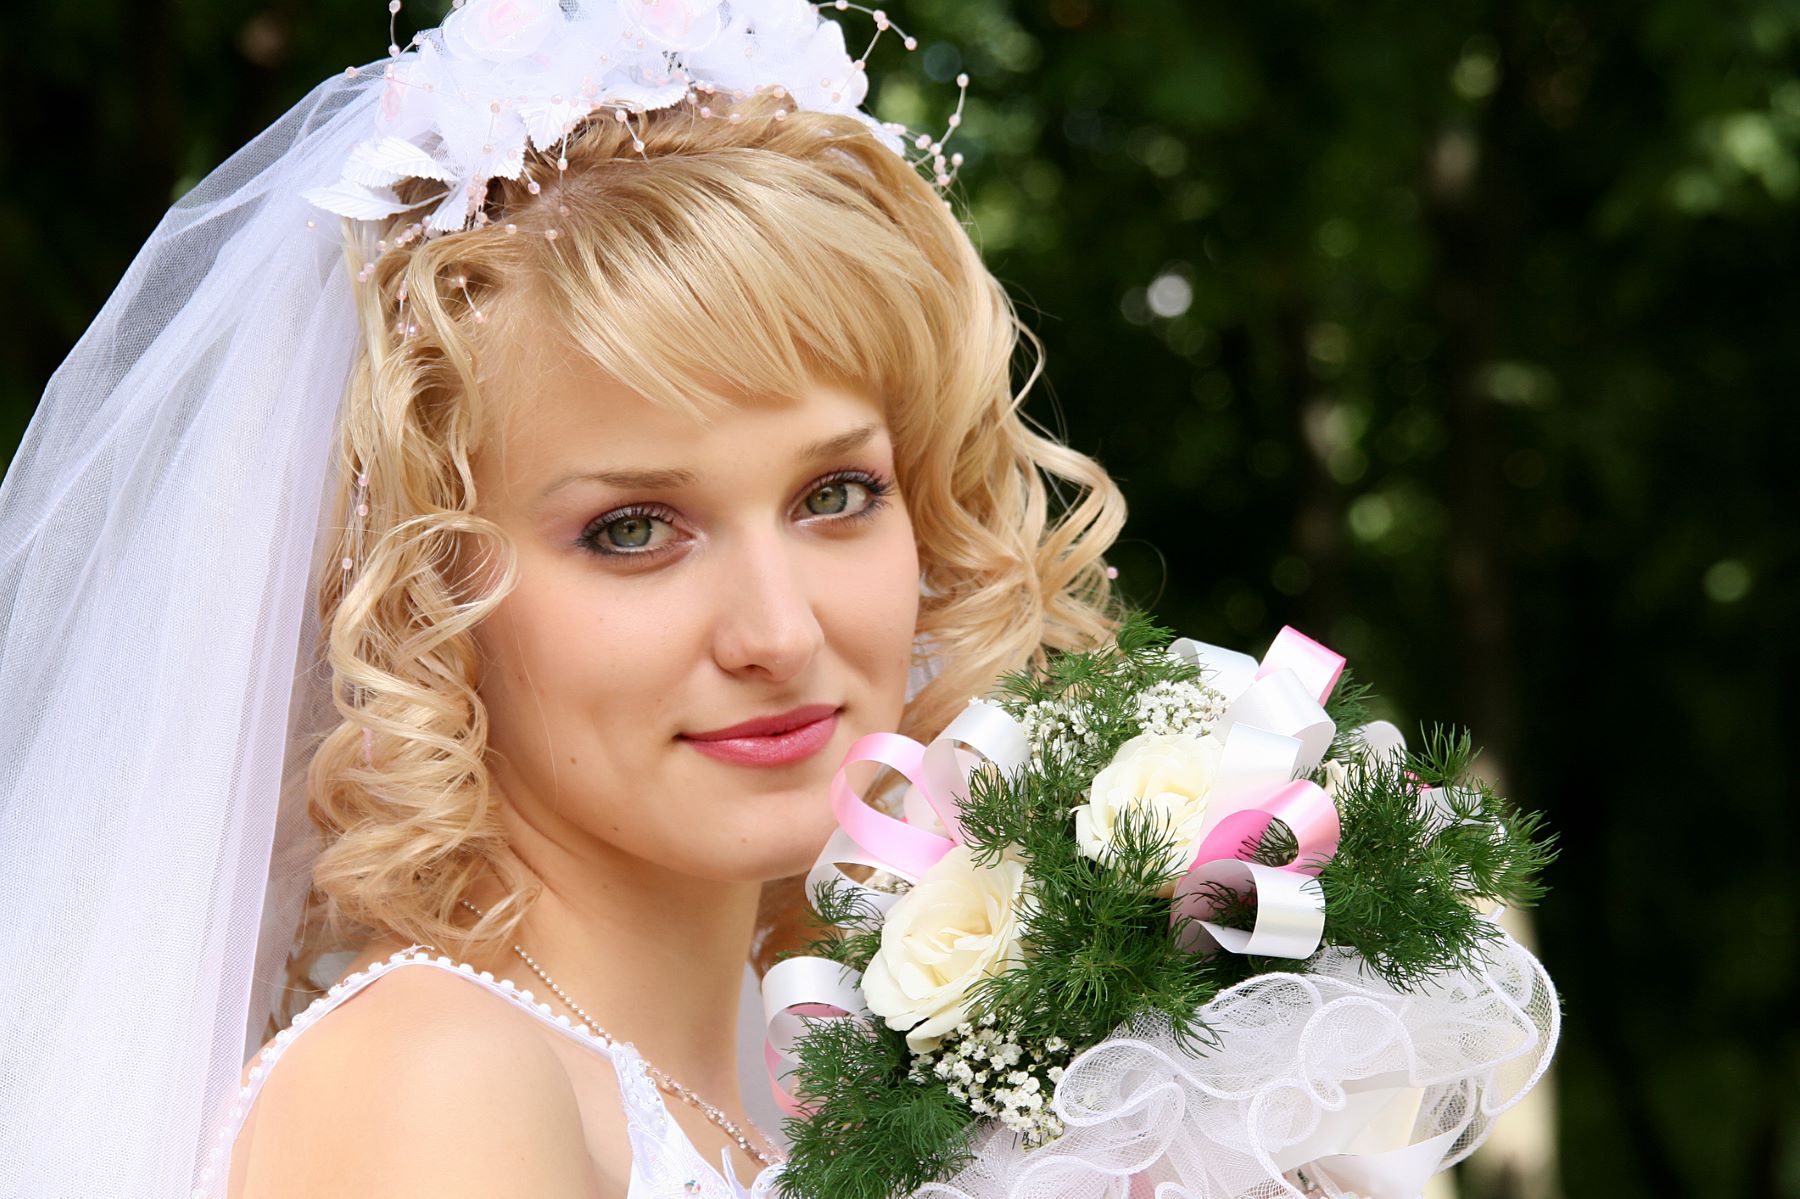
point(158, 533)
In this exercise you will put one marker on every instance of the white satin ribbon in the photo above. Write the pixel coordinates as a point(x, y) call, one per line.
point(1283, 693)
point(1226, 670)
point(990, 733)
point(840, 851)
point(1252, 762)
point(1290, 910)
point(1279, 702)
point(1381, 740)
point(795, 988)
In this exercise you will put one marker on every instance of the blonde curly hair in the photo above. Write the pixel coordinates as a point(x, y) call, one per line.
point(752, 250)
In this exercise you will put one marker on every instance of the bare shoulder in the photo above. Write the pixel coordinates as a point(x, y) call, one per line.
point(419, 1084)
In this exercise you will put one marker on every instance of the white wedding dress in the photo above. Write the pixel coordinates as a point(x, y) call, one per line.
point(664, 1163)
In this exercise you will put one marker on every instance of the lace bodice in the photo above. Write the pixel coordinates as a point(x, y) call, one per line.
point(664, 1163)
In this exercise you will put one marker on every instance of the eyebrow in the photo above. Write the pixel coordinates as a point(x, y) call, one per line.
point(665, 479)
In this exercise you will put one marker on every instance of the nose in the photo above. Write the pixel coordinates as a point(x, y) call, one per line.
point(766, 619)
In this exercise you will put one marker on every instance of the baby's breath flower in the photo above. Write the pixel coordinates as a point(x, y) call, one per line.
point(1013, 1082)
point(1058, 728)
point(1171, 707)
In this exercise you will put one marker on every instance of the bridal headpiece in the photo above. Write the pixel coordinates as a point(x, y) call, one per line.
point(461, 106)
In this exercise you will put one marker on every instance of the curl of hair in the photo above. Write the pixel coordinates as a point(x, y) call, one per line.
point(764, 251)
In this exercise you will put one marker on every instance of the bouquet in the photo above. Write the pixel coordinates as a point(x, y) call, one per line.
point(1161, 919)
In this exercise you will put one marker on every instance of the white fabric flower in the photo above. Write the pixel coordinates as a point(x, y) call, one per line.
point(501, 30)
point(676, 24)
point(958, 925)
point(405, 107)
point(1171, 775)
point(822, 75)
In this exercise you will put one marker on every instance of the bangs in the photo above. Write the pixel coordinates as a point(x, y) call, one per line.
point(698, 281)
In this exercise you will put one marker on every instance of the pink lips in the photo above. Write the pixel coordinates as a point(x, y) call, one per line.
point(770, 741)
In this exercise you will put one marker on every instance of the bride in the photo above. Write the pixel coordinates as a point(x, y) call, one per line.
point(481, 596)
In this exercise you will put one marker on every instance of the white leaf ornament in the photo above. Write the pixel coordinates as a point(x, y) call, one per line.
point(455, 211)
point(547, 121)
point(355, 201)
point(386, 160)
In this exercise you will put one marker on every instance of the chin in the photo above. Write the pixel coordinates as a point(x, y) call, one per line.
point(756, 842)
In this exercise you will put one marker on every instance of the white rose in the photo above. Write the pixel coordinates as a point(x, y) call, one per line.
point(501, 30)
point(1169, 774)
point(958, 925)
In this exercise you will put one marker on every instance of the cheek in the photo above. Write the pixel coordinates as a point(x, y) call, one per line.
point(556, 658)
point(516, 665)
point(884, 606)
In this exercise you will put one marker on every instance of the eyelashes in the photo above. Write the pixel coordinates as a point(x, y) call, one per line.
point(594, 540)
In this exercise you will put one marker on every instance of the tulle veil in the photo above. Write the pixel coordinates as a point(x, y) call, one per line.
point(159, 528)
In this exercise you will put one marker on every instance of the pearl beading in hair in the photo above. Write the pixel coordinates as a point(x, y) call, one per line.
point(633, 1072)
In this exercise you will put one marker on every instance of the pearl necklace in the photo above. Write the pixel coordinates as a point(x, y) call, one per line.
point(663, 1080)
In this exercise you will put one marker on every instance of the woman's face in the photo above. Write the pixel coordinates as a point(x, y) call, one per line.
point(678, 578)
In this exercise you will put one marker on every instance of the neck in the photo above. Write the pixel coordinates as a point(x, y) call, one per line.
point(654, 956)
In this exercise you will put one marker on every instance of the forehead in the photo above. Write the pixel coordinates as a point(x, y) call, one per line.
point(560, 419)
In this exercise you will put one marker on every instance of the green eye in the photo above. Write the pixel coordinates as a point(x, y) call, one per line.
point(837, 499)
point(632, 532)
point(625, 533)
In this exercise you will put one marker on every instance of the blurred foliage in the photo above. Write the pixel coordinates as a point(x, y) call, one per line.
point(1455, 334)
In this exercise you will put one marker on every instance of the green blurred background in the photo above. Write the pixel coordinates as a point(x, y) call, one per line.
point(1456, 334)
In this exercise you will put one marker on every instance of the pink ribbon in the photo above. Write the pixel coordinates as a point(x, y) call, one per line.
point(1274, 728)
point(906, 848)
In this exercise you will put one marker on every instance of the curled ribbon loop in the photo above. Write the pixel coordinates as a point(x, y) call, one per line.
point(1227, 671)
point(1279, 702)
point(989, 733)
point(1284, 693)
point(1306, 810)
point(1290, 909)
point(939, 777)
point(839, 852)
point(905, 849)
point(1317, 667)
point(1381, 740)
point(1253, 762)
point(1274, 728)
point(800, 987)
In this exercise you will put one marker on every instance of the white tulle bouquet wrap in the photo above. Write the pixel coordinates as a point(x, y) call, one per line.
point(1161, 920)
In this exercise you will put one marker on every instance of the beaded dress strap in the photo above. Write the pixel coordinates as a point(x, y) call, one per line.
point(664, 1162)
